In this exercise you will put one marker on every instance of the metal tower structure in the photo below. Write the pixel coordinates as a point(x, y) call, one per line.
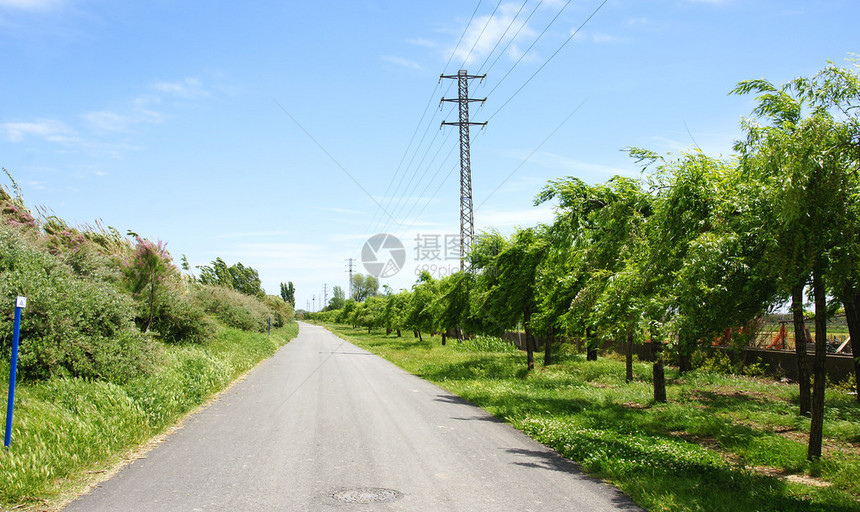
point(349, 270)
point(467, 217)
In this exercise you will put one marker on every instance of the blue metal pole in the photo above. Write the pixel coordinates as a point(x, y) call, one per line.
point(13, 370)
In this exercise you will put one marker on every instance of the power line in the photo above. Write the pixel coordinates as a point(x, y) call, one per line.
point(550, 58)
point(505, 33)
point(418, 126)
point(489, 19)
point(512, 39)
point(530, 47)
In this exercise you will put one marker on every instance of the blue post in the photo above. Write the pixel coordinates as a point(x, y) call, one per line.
point(13, 369)
point(270, 326)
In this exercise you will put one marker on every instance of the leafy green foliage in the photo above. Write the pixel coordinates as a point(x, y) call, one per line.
point(73, 326)
point(288, 293)
point(147, 271)
point(236, 277)
point(364, 286)
point(232, 308)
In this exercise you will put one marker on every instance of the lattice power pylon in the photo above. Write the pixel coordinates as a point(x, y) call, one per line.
point(467, 217)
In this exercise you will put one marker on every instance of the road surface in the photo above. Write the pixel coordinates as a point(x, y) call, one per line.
point(324, 425)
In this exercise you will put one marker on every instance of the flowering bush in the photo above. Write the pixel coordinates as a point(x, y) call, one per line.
point(147, 271)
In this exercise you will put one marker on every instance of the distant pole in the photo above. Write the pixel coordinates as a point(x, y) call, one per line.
point(325, 296)
point(349, 269)
point(467, 217)
point(20, 304)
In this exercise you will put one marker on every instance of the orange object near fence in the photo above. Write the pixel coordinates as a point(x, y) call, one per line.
point(778, 340)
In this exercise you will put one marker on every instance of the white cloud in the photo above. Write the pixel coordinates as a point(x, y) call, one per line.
point(399, 61)
point(30, 5)
point(50, 130)
point(253, 234)
point(504, 220)
point(417, 41)
point(186, 88)
point(600, 38)
point(486, 32)
point(108, 121)
point(565, 165)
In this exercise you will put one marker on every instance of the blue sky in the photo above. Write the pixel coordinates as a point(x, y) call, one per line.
point(271, 132)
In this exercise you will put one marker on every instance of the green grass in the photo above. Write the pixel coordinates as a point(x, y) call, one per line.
point(721, 443)
point(68, 431)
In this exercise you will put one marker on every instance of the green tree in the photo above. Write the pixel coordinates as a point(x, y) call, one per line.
point(364, 287)
point(395, 312)
point(453, 305)
point(338, 299)
point(236, 277)
point(288, 293)
point(419, 314)
point(510, 281)
point(147, 272)
point(246, 280)
point(797, 155)
point(370, 313)
point(836, 91)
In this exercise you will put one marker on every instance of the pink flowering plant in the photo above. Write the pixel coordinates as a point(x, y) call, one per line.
point(148, 271)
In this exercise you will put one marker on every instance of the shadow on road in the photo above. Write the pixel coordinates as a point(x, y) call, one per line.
point(552, 461)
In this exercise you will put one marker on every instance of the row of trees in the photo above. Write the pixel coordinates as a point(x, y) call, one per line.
point(695, 247)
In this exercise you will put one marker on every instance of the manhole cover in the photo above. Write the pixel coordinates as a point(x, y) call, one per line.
point(366, 495)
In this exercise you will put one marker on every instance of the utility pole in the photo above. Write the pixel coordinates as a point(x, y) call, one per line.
point(325, 297)
point(314, 302)
point(467, 218)
point(349, 269)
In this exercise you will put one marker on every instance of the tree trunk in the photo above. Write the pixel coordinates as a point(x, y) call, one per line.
point(590, 346)
point(368, 329)
point(419, 335)
point(629, 354)
point(398, 333)
point(800, 349)
point(659, 375)
point(852, 316)
point(685, 362)
point(414, 333)
point(388, 331)
point(444, 338)
point(530, 341)
point(816, 428)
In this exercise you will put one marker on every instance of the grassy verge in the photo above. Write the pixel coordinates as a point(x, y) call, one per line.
point(68, 431)
point(722, 443)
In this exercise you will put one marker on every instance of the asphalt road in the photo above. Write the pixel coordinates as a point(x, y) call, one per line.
point(324, 425)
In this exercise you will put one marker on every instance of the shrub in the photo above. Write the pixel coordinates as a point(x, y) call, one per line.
point(232, 308)
point(282, 311)
point(72, 326)
point(147, 272)
point(178, 320)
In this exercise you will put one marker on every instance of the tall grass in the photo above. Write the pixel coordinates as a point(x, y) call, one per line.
point(67, 429)
point(721, 443)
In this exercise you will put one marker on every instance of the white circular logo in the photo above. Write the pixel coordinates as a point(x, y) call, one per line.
point(383, 255)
